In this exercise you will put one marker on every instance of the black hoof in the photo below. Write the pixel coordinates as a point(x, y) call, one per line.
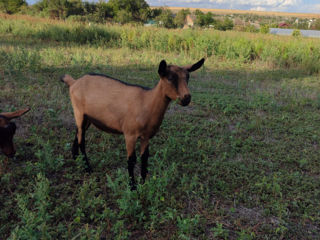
point(133, 186)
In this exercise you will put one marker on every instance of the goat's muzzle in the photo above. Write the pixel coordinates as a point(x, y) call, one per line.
point(185, 100)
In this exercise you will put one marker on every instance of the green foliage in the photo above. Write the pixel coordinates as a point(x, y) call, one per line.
point(204, 20)
point(123, 16)
point(180, 18)
point(226, 24)
point(296, 33)
point(11, 6)
point(34, 220)
point(220, 232)
point(129, 10)
point(198, 43)
point(264, 29)
point(166, 19)
point(250, 28)
point(316, 24)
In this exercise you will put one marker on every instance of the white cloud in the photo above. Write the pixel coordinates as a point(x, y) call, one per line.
point(258, 9)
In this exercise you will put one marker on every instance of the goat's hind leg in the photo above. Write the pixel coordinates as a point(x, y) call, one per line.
point(75, 146)
point(144, 151)
point(82, 125)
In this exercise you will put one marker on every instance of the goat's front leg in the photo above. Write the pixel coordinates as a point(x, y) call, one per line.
point(132, 159)
point(144, 153)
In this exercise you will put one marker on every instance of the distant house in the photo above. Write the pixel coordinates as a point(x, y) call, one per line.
point(283, 25)
point(189, 21)
point(239, 22)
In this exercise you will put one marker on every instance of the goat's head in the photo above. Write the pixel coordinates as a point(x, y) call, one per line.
point(176, 80)
point(7, 131)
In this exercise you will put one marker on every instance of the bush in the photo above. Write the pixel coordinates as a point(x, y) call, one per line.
point(264, 29)
point(296, 33)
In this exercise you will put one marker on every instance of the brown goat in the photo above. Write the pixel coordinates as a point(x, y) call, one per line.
point(7, 130)
point(118, 107)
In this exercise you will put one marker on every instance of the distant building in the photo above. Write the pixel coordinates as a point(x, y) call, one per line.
point(283, 25)
point(189, 21)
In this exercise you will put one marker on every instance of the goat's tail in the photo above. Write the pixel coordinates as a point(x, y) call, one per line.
point(67, 79)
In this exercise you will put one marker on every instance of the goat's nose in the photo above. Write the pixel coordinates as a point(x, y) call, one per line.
point(186, 100)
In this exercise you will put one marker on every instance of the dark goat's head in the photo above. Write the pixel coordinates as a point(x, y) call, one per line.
point(7, 131)
point(176, 80)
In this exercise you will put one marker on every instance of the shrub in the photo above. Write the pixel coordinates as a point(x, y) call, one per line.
point(296, 33)
point(264, 29)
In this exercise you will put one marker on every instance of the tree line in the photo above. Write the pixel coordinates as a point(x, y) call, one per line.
point(116, 11)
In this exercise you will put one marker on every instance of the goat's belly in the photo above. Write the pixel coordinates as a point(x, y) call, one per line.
point(104, 127)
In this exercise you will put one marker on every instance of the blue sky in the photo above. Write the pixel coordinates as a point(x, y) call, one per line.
point(305, 6)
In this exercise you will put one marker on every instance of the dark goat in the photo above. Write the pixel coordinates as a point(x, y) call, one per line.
point(7, 130)
point(117, 107)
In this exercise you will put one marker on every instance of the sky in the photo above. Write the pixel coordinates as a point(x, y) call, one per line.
point(299, 6)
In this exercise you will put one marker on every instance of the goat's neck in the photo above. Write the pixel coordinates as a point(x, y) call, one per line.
point(158, 104)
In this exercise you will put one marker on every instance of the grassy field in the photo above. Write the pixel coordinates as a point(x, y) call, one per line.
point(240, 162)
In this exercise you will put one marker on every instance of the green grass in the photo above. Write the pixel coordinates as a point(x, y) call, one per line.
point(298, 52)
point(240, 162)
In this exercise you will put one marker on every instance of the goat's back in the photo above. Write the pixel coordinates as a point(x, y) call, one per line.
point(107, 100)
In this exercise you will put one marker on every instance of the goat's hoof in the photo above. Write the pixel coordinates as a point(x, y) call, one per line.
point(133, 186)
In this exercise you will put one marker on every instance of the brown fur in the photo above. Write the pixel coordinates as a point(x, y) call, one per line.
point(117, 107)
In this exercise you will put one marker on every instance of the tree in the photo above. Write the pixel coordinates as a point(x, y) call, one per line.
point(204, 20)
point(54, 8)
point(11, 6)
point(75, 7)
point(226, 24)
point(180, 18)
point(165, 19)
point(317, 24)
point(137, 10)
point(103, 11)
point(199, 18)
point(155, 12)
point(123, 17)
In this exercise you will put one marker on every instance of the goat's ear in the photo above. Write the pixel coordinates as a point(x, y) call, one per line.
point(162, 68)
point(195, 66)
point(11, 115)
